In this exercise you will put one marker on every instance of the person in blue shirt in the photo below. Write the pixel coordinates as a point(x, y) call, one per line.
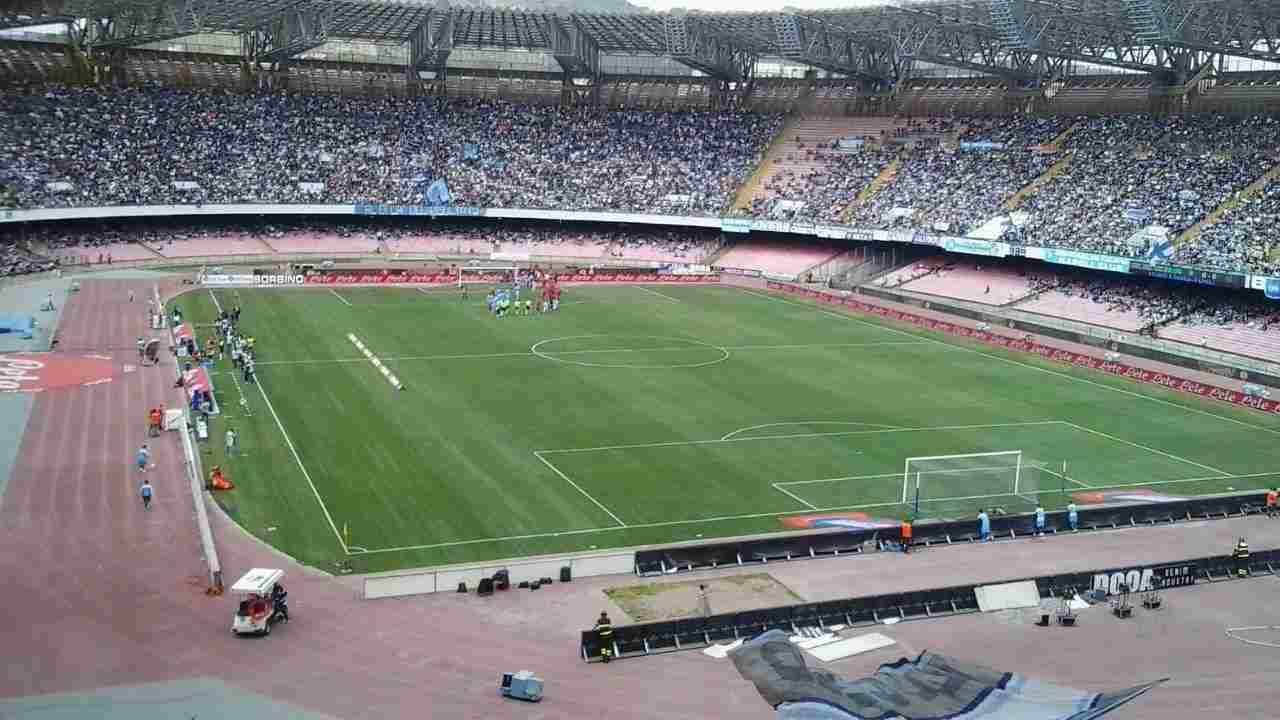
point(1073, 518)
point(984, 526)
point(1039, 519)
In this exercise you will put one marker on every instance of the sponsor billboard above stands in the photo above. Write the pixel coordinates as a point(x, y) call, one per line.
point(249, 280)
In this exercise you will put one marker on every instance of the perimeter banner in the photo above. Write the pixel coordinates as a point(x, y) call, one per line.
point(1152, 377)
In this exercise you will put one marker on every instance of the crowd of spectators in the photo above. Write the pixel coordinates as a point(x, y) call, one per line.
point(16, 260)
point(822, 193)
point(957, 185)
point(1247, 235)
point(76, 146)
point(1160, 303)
point(1170, 171)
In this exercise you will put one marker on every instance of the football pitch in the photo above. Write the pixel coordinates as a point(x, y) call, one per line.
point(657, 414)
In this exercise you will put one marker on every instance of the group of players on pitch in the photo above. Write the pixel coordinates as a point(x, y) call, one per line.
point(507, 300)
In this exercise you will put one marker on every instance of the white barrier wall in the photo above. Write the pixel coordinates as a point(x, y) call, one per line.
point(421, 582)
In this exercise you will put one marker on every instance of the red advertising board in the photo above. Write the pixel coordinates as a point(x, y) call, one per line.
point(1056, 354)
point(389, 277)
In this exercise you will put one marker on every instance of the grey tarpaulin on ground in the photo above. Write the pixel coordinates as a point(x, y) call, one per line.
point(931, 686)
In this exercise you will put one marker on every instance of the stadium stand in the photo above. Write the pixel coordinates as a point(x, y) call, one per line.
point(972, 281)
point(777, 258)
point(75, 146)
point(101, 243)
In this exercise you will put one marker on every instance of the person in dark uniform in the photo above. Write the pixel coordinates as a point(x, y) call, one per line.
point(604, 635)
point(1240, 556)
point(280, 601)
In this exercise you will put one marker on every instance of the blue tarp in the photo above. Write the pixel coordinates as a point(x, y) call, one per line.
point(24, 326)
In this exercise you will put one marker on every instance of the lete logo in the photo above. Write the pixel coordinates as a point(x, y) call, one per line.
point(1136, 580)
point(34, 373)
point(14, 371)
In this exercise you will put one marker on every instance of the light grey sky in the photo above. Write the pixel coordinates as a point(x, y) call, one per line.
point(755, 5)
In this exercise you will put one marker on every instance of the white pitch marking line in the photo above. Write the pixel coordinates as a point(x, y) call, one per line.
point(1171, 456)
point(1011, 361)
point(795, 497)
point(485, 356)
point(651, 291)
point(344, 300)
point(801, 435)
point(294, 450)
point(577, 487)
point(807, 422)
point(1064, 477)
point(780, 513)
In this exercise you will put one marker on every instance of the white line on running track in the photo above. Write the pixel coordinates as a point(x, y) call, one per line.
point(344, 300)
point(800, 435)
point(1011, 361)
point(795, 497)
point(1171, 456)
point(780, 513)
point(807, 422)
point(484, 356)
point(577, 487)
point(651, 291)
point(294, 450)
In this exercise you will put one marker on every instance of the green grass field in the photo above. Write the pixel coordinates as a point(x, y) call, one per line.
point(656, 414)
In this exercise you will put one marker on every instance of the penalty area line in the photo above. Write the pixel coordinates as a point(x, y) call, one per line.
point(779, 514)
point(795, 497)
point(577, 487)
point(344, 300)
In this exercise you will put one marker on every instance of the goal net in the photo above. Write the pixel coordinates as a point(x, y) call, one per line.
point(961, 477)
point(486, 275)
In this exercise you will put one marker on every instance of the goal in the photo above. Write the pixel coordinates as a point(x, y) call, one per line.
point(968, 476)
point(486, 274)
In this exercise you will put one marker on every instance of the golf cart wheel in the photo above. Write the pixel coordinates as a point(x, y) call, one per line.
point(266, 630)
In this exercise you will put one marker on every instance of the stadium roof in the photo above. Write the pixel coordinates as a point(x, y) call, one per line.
point(1017, 39)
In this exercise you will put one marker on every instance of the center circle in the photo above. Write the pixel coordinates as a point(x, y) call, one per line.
point(669, 344)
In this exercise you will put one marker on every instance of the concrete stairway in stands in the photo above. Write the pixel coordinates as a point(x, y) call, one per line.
point(882, 180)
point(1054, 170)
point(755, 183)
point(798, 141)
point(1213, 218)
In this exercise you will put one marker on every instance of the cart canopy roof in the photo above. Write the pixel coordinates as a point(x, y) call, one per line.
point(258, 580)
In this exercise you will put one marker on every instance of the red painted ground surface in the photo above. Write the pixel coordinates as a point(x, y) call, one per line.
point(97, 592)
point(37, 372)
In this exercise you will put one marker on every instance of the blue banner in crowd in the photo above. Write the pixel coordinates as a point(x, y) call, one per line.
point(1138, 215)
point(981, 145)
point(470, 151)
point(1272, 288)
point(438, 193)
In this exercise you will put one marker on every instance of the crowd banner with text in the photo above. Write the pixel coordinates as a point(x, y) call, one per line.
point(1080, 259)
point(735, 225)
point(973, 246)
point(1196, 276)
point(1063, 356)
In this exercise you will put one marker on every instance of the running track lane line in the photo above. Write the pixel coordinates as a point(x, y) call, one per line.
point(298, 458)
point(575, 485)
point(1011, 361)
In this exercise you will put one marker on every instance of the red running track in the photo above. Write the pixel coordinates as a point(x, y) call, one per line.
point(99, 593)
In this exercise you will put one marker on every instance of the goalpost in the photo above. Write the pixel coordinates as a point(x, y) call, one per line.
point(484, 274)
point(988, 474)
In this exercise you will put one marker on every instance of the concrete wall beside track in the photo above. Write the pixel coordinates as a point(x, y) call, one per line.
point(446, 579)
